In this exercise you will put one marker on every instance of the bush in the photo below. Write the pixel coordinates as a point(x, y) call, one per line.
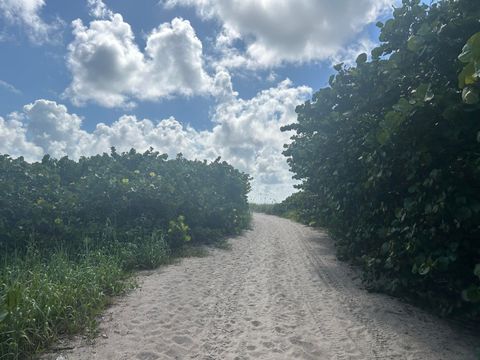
point(59, 203)
point(389, 159)
point(178, 233)
point(71, 231)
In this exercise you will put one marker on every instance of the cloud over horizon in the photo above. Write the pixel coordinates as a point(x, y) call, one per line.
point(246, 133)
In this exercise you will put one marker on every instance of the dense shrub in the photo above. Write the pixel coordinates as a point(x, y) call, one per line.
point(389, 156)
point(70, 231)
point(60, 203)
point(298, 206)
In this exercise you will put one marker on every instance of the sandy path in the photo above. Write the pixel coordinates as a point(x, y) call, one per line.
point(278, 294)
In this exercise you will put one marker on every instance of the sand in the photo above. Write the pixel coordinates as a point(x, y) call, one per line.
point(279, 293)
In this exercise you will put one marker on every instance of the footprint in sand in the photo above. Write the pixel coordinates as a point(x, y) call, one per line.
point(268, 344)
point(148, 356)
point(182, 340)
point(279, 329)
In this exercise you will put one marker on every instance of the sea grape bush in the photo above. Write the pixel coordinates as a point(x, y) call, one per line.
point(299, 206)
point(71, 231)
point(64, 203)
point(389, 155)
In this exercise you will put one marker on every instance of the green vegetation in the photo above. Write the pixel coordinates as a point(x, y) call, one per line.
point(297, 207)
point(389, 155)
point(71, 232)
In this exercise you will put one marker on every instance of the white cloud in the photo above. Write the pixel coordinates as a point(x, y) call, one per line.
point(174, 61)
point(99, 10)
point(9, 87)
point(275, 32)
point(272, 76)
point(349, 54)
point(108, 67)
point(246, 133)
point(26, 13)
point(222, 86)
point(13, 140)
point(58, 133)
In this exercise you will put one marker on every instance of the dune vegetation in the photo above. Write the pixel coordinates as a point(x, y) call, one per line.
point(389, 159)
point(72, 231)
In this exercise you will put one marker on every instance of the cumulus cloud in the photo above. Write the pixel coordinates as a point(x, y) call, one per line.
point(275, 32)
point(13, 140)
point(246, 133)
point(108, 67)
point(99, 10)
point(26, 13)
point(56, 131)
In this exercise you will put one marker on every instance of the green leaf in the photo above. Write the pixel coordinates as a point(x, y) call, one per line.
point(467, 76)
point(474, 43)
point(3, 315)
point(466, 55)
point(470, 96)
point(425, 29)
point(361, 59)
point(476, 66)
point(421, 91)
point(385, 247)
point(429, 95)
point(424, 269)
point(331, 80)
point(403, 106)
point(415, 43)
point(382, 136)
point(476, 271)
point(472, 294)
point(377, 52)
point(393, 119)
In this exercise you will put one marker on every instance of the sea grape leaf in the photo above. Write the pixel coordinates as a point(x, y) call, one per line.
point(470, 96)
point(472, 294)
point(3, 315)
point(361, 59)
point(476, 271)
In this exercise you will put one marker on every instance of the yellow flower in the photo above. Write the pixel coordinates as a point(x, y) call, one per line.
point(125, 181)
point(152, 174)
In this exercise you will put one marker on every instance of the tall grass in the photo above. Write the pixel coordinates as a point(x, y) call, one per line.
point(43, 297)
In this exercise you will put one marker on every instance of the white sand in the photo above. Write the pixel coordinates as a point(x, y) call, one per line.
point(278, 294)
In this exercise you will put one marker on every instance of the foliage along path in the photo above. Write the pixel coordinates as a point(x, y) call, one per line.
point(279, 293)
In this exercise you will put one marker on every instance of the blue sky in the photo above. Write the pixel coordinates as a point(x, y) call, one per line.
point(202, 77)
